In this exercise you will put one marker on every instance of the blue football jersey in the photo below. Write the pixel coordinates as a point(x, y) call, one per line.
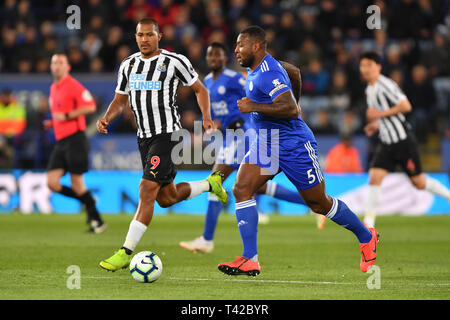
point(224, 92)
point(264, 85)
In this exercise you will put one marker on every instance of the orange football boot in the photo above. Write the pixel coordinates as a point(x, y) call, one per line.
point(369, 251)
point(241, 265)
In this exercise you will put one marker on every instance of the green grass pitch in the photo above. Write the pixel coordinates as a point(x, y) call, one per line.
point(298, 261)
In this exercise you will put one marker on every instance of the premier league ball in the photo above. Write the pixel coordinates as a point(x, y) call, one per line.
point(146, 267)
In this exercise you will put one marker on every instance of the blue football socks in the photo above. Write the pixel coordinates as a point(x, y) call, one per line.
point(344, 217)
point(277, 191)
point(212, 215)
point(247, 219)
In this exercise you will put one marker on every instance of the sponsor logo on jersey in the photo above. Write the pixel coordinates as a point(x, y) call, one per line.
point(138, 81)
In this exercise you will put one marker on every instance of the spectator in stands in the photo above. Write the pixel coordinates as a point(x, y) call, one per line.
point(8, 49)
point(437, 58)
point(182, 23)
point(77, 59)
point(422, 97)
point(216, 22)
point(287, 31)
point(340, 96)
point(140, 8)
point(398, 77)
point(265, 13)
point(12, 123)
point(12, 115)
point(343, 158)
point(322, 124)
point(91, 45)
point(308, 51)
point(24, 14)
point(108, 51)
point(394, 60)
point(236, 9)
point(197, 13)
point(316, 80)
point(166, 13)
point(349, 123)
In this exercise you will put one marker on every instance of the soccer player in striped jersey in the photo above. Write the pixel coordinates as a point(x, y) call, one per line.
point(387, 106)
point(148, 80)
point(225, 88)
point(292, 148)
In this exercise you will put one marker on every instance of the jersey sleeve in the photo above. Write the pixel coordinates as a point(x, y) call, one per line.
point(184, 71)
point(122, 81)
point(273, 83)
point(83, 97)
point(392, 91)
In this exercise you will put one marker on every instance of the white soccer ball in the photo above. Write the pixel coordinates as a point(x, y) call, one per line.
point(146, 266)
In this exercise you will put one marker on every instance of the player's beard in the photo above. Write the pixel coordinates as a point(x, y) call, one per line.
point(247, 63)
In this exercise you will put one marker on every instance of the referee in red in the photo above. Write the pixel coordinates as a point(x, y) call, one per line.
point(69, 103)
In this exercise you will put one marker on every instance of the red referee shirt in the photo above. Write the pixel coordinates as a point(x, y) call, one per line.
point(65, 97)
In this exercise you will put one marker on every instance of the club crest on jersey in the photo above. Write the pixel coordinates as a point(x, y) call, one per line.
point(221, 90)
point(162, 67)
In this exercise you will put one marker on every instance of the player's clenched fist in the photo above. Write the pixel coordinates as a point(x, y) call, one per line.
point(245, 105)
point(101, 125)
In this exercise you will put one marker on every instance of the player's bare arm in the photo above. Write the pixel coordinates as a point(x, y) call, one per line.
point(204, 104)
point(116, 107)
point(295, 77)
point(403, 107)
point(283, 106)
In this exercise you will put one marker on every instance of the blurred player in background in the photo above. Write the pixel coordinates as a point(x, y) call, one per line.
point(387, 106)
point(69, 103)
point(148, 80)
point(270, 99)
point(225, 88)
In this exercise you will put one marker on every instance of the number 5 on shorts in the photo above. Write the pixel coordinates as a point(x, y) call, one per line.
point(311, 177)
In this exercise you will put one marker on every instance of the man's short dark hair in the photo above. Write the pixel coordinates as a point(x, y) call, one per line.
point(148, 21)
point(371, 55)
point(219, 45)
point(255, 32)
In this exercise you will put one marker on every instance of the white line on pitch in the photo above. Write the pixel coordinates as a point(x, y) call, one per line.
point(263, 281)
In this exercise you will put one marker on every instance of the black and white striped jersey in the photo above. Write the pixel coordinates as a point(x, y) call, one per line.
point(151, 85)
point(382, 95)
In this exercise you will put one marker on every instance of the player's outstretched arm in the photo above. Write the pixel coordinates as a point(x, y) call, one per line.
point(115, 108)
point(204, 104)
point(283, 106)
point(295, 77)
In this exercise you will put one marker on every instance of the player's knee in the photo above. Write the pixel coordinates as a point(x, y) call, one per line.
point(166, 202)
point(317, 207)
point(147, 190)
point(419, 183)
point(53, 185)
point(242, 192)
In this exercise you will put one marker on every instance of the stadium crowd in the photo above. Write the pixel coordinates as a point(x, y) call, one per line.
point(323, 37)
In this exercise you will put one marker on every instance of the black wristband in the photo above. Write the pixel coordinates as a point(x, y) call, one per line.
point(67, 115)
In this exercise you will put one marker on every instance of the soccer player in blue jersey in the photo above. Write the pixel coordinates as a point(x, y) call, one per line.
point(292, 148)
point(225, 88)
